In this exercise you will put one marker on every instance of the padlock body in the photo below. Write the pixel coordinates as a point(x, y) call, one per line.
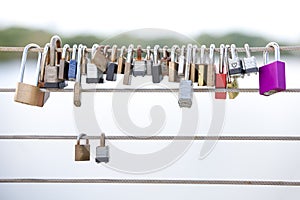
point(121, 62)
point(127, 73)
point(82, 152)
point(111, 72)
point(235, 67)
point(156, 73)
point(210, 78)
point(31, 95)
point(194, 73)
point(139, 68)
point(250, 65)
point(272, 78)
point(63, 70)
point(102, 154)
point(51, 74)
point(232, 85)
point(202, 74)
point(173, 72)
point(94, 75)
point(149, 64)
point(221, 82)
point(164, 67)
point(185, 95)
point(72, 70)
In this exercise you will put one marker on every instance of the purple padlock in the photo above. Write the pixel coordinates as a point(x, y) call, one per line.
point(272, 75)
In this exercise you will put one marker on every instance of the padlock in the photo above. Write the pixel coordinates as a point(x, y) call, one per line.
point(77, 85)
point(100, 59)
point(185, 96)
point(128, 66)
point(121, 60)
point(93, 74)
point(102, 151)
point(211, 68)
point(221, 76)
point(173, 65)
point(51, 71)
point(249, 62)
point(232, 84)
point(26, 93)
point(139, 64)
point(202, 68)
point(165, 61)
point(235, 63)
point(82, 151)
point(149, 60)
point(112, 66)
point(194, 65)
point(44, 62)
point(73, 65)
point(181, 64)
point(64, 63)
point(84, 61)
point(156, 67)
point(272, 75)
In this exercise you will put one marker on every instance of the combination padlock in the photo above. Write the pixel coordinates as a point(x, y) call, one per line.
point(149, 60)
point(26, 93)
point(185, 95)
point(139, 64)
point(202, 68)
point(112, 66)
point(221, 76)
point(64, 63)
point(235, 63)
point(156, 67)
point(272, 75)
point(82, 151)
point(128, 66)
point(73, 65)
point(102, 151)
point(249, 62)
point(173, 65)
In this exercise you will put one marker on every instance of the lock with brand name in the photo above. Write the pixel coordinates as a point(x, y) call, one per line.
point(139, 64)
point(26, 93)
point(202, 68)
point(173, 65)
point(156, 68)
point(82, 151)
point(249, 62)
point(112, 66)
point(102, 151)
point(221, 76)
point(272, 75)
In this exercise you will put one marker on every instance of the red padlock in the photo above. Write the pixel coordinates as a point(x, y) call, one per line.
point(221, 75)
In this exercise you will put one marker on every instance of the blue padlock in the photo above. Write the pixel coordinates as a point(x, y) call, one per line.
point(73, 65)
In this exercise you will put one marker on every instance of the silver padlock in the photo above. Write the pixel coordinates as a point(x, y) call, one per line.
point(139, 64)
point(94, 75)
point(181, 62)
point(77, 85)
point(194, 65)
point(235, 63)
point(211, 68)
point(128, 66)
point(249, 62)
point(185, 96)
point(173, 65)
point(149, 60)
point(156, 68)
point(102, 151)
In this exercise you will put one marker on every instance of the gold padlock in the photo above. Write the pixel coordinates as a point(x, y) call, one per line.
point(82, 151)
point(26, 93)
point(232, 85)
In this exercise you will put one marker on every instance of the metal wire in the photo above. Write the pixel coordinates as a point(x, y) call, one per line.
point(155, 181)
point(151, 138)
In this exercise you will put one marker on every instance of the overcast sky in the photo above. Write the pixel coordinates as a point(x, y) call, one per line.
point(267, 18)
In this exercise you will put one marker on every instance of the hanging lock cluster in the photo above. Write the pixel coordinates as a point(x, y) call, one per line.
point(188, 65)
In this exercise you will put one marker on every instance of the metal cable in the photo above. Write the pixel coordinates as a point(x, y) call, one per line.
point(155, 181)
point(224, 138)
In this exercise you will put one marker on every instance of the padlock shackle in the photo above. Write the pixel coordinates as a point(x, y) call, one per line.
point(79, 60)
point(94, 50)
point(156, 54)
point(129, 53)
point(102, 140)
point(247, 50)
point(202, 54)
point(55, 42)
point(44, 61)
point(80, 136)
point(74, 49)
point(65, 51)
point(165, 52)
point(114, 51)
point(276, 52)
point(174, 56)
point(233, 52)
point(194, 54)
point(122, 51)
point(212, 54)
point(148, 53)
point(221, 59)
point(23, 63)
point(139, 52)
point(188, 61)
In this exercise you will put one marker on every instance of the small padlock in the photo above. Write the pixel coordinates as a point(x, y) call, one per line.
point(128, 66)
point(235, 63)
point(51, 71)
point(82, 151)
point(77, 85)
point(64, 63)
point(112, 66)
point(165, 61)
point(185, 96)
point(211, 68)
point(102, 151)
point(156, 67)
point(121, 60)
point(139, 64)
point(93, 74)
point(249, 62)
point(272, 75)
point(194, 65)
point(100, 59)
point(149, 60)
point(221, 76)
point(26, 93)
point(202, 68)
point(232, 84)
point(173, 65)
point(73, 65)
point(181, 64)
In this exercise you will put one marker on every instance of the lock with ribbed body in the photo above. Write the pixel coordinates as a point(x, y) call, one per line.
point(221, 76)
point(82, 151)
point(272, 75)
point(26, 93)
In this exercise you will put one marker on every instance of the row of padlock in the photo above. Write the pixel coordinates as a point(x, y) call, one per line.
point(82, 151)
point(187, 65)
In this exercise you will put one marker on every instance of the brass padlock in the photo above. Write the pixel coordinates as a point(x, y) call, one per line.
point(121, 60)
point(202, 68)
point(82, 151)
point(232, 84)
point(26, 93)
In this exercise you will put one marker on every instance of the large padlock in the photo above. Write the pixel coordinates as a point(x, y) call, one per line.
point(102, 151)
point(249, 62)
point(121, 60)
point(165, 61)
point(272, 75)
point(221, 76)
point(82, 151)
point(93, 74)
point(128, 66)
point(52, 70)
point(173, 65)
point(73, 65)
point(64, 63)
point(156, 67)
point(112, 66)
point(185, 96)
point(149, 60)
point(202, 67)
point(26, 93)
point(211, 68)
point(139, 64)
point(235, 63)
point(194, 65)
point(77, 85)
